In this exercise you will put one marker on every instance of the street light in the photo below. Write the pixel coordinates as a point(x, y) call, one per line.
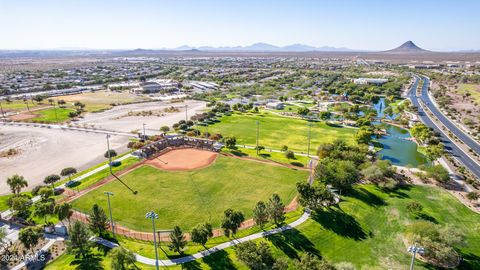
point(152, 215)
point(144, 135)
point(309, 129)
point(258, 124)
point(108, 193)
point(109, 154)
point(414, 250)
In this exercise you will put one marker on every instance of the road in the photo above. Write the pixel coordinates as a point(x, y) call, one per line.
point(451, 147)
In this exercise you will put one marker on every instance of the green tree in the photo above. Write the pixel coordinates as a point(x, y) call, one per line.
point(201, 233)
point(63, 211)
point(69, 171)
point(257, 257)
point(122, 258)
point(260, 214)
point(438, 172)
point(78, 242)
point(110, 153)
point(51, 179)
point(314, 196)
point(16, 183)
point(473, 196)
point(364, 135)
point(20, 204)
point(231, 221)
point(289, 154)
point(309, 262)
point(434, 152)
point(303, 111)
point(230, 142)
point(276, 209)
point(30, 236)
point(43, 209)
point(45, 193)
point(177, 240)
point(414, 208)
point(325, 115)
point(165, 129)
point(341, 174)
point(98, 221)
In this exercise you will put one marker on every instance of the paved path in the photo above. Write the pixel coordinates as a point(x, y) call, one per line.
point(199, 255)
point(449, 144)
point(67, 127)
point(79, 178)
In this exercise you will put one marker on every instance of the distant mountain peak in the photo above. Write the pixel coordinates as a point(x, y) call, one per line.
point(407, 47)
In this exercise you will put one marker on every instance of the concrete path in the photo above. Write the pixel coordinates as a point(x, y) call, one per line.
point(79, 178)
point(199, 255)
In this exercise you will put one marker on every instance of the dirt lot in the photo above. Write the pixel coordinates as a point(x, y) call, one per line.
point(117, 118)
point(45, 151)
point(183, 159)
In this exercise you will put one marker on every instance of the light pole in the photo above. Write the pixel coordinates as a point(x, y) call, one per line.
point(414, 250)
point(154, 216)
point(144, 135)
point(1, 109)
point(109, 155)
point(258, 124)
point(186, 112)
point(108, 193)
point(309, 129)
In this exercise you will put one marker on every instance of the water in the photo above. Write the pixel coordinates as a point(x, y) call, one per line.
point(396, 147)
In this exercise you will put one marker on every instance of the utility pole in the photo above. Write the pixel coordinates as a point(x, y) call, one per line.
point(414, 250)
point(309, 129)
point(152, 215)
point(109, 154)
point(1, 109)
point(258, 124)
point(108, 193)
point(144, 135)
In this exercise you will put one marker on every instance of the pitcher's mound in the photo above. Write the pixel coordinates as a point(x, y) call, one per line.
point(183, 159)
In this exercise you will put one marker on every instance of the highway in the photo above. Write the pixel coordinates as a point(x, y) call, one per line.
point(451, 147)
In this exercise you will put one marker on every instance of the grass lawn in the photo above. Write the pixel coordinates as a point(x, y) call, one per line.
point(190, 197)
point(19, 105)
point(366, 229)
point(3, 202)
point(102, 100)
point(300, 161)
point(276, 131)
point(50, 115)
point(473, 89)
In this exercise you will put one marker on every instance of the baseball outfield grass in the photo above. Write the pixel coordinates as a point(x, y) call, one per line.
point(187, 198)
point(52, 115)
point(276, 131)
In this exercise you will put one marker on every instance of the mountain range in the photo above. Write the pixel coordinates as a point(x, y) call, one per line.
point(265, 47)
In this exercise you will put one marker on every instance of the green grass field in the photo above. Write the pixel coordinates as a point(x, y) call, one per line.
point(19, 105)
point(366, 228)
point(190, 197)
point(473, 89)
point(300, 161)
point(276, 131)
point(51, 115)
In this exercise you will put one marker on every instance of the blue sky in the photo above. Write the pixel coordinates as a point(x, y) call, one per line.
point(122, 24)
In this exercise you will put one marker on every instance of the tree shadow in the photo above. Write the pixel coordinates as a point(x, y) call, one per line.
point(265, 155)
point(238, 153)
point(340, 223)
point(292, 242)
point(90, 262)
point(426, 217)
point(469, 262)
point(296, 163)
point(193, 265)
point(219, 260)
point(366, 196)
point(397, 192)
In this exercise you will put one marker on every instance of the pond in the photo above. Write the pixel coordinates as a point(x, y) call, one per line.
point(396, 146)
point(398, 149)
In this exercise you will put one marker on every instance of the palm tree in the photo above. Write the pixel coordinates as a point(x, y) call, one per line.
point(16, 183)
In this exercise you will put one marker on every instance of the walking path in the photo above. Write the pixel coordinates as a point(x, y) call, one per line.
point(199, 255)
